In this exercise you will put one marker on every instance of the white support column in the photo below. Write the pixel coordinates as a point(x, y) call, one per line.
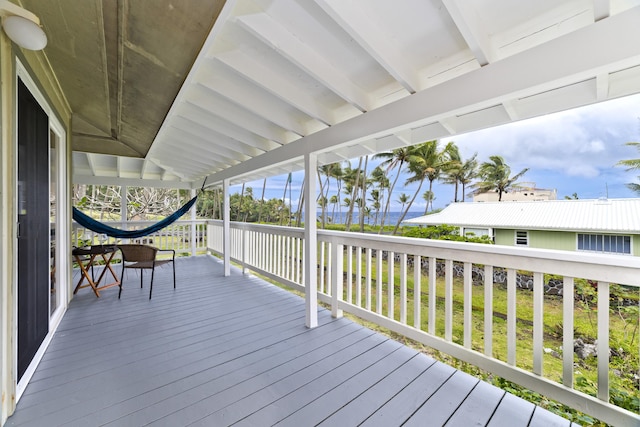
point(226, 229)
point(194, 243)
point(310, 241)
point(123, 207)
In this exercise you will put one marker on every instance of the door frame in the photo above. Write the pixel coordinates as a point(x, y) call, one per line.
point(62, 226)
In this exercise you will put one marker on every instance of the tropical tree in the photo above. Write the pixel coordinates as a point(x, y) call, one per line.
point(457, 171)
point(429, 197)
point(496, 176)
point(403, 199)
point(469, 173)
point(632, 165)
point(425, 162)
point(395, 159)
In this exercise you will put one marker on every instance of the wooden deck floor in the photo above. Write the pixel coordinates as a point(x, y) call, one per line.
point(234, 351)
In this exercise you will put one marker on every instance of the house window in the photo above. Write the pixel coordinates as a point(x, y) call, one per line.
point(522, 238)
point(604, 243)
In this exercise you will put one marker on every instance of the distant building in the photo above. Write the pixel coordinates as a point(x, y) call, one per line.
point(526, 191)
point(601, 226)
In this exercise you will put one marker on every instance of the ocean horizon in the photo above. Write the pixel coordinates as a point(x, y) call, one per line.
point(392, 217)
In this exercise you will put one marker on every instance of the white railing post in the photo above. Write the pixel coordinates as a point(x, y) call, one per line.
point(226, 229)
point(337, 279)
point(123, 208)
point(310, 241)
point(194, 249)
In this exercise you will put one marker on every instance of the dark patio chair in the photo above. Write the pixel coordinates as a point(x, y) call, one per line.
point(144, 257)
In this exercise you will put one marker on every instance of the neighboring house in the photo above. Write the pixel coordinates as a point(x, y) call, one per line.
point(524, 193)
point(602, 226)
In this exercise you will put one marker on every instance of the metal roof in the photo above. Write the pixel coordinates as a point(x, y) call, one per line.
point(272, 80)
point(599, 215)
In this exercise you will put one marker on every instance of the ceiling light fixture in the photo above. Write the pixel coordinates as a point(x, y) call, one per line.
point(22, 26)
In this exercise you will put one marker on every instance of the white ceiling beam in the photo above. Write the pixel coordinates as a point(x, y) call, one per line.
point(601, 9)
point(276, 36)
point(367, 34)
point(511, 77)
point(602, 86)
point(473, 31)
point(255, 102)
point(224, 127)
point(190, 138)
point(213, 138)
point(92, 163)
point(143, 169)
point(274, 83)
point(509, 106)
point(208, 100)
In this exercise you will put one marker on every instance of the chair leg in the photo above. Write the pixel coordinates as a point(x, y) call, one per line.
point(121, 278)
point(151, 286)
point(174, 274)
point(141, 271)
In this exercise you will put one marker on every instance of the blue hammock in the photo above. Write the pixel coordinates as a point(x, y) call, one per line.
point(93, 225)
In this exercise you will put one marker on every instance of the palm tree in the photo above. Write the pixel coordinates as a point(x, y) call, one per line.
point(458, 171)
point(428, 196)
point(403, 199)
point(495, 176)
point(468, 173)
point(394, 159)
point(632, 164)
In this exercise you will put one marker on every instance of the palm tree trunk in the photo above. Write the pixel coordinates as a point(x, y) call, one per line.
point(363, 198)
point(404, 213)
point(264, 186)
point(300, 205)
point(320, 197)
point(385, 212)
point(354, 193)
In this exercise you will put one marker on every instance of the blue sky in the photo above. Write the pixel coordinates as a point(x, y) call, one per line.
point(573, 151)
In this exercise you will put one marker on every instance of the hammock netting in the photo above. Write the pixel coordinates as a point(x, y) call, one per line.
point(93, 225)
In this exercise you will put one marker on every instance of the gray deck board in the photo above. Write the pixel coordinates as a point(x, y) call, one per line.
point(218, 351)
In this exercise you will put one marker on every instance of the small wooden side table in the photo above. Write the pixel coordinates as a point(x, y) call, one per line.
point(87, 258)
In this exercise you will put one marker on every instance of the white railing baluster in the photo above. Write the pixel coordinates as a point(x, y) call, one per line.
point(468, 319)
point(488, 310)
point(321, 281)
point(368, 280)
point(337, 282)
point(403, 288)
point(603, 341)
point(379, 281)
point(350, 274)
point(432, 295)
point(417, 289)
point(359, 276)
point(329, 265)
point(568, 302)
point(511, 316)
point(391, 286)
point(538, 322)
point(448, 299)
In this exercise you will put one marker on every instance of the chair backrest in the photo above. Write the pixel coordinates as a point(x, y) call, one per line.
point(138, 253)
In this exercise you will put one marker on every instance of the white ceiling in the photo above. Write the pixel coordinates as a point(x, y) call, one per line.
point(278, 78)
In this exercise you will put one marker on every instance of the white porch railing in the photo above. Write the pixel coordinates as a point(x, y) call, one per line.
point(183, 236)
point(352, 277)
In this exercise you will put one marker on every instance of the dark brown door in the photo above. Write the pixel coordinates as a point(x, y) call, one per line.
point(33, 227)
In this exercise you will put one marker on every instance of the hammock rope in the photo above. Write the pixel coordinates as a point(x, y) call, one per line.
point(93, 225)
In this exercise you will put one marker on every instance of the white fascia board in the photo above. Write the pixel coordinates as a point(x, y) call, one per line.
point(556, 63)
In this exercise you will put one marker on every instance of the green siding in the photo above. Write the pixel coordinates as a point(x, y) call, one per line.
point(561, 240)
point(505, 237)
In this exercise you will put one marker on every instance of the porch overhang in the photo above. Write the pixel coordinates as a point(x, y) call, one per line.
point(255, 86)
